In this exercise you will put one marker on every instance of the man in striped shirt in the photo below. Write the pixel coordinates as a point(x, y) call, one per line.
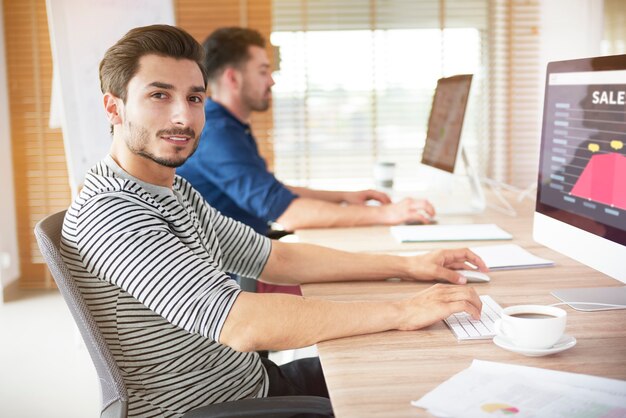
point(149, 255)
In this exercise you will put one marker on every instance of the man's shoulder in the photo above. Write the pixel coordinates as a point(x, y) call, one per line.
point(102, 189)
point(221, 127)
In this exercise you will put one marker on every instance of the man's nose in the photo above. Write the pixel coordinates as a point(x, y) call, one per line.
point(181, 113)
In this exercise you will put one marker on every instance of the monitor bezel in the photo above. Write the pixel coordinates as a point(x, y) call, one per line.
point(605, 63)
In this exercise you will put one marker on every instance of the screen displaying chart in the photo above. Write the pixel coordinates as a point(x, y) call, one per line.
point(583, 167)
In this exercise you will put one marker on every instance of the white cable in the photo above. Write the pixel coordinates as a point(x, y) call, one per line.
point(532, 187)
point(495, 185)
point(607, 306)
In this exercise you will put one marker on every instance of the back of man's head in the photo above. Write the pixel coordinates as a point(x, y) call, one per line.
point(228, 47)
point(121, 61)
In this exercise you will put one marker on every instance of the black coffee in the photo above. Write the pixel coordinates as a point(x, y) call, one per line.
point(529, 315)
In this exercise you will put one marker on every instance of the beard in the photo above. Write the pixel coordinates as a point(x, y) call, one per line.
point(253, 103)
point(139, 138)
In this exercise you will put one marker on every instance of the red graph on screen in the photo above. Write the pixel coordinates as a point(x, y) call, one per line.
point(603, 180)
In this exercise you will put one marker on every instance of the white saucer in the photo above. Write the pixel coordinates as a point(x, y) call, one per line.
point(566, 342)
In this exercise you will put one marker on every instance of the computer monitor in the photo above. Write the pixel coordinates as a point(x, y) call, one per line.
point(443, 149)
point(581, 193)
point(443, 137)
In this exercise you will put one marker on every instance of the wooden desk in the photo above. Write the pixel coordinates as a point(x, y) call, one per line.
point(377, 375)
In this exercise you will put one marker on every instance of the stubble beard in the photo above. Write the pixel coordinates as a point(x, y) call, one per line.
point(139, 138)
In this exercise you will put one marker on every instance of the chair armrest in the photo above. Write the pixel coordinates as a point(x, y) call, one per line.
point(279, 406)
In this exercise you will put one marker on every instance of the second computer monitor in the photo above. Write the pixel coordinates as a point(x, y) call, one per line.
point(443, 138)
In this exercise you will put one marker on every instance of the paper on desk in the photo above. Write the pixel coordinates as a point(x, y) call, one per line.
point(488, 389)
point(509, 256)
point(460, 232)
point(499, 257)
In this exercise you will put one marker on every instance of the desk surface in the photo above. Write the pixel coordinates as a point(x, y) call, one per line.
point(377, 375)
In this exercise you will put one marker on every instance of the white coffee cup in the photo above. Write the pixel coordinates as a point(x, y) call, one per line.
point(532, 326)
point(383, 174)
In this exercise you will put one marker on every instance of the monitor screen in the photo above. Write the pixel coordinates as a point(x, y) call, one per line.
point(582, 168)
point(443, 137)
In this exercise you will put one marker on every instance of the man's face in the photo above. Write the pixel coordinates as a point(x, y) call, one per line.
point(256, 88)
point(164, 113)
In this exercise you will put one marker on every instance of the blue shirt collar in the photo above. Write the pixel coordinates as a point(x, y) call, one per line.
point(213, 109)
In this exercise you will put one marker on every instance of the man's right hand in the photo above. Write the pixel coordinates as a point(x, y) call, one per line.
point(437, 303)
point(408, 210)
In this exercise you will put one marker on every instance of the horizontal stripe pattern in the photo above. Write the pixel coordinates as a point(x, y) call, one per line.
point(151, 266)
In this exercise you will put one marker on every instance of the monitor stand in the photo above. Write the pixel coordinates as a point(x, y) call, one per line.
point(466, 196)
point(477, 199)
point(593, 298)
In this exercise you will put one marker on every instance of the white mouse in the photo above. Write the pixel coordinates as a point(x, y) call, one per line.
point(474, 276)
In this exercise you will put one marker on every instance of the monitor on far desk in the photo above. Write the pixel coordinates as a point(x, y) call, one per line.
point(581, 193)
point(443, 149)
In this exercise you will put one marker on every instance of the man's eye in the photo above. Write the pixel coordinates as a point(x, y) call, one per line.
point(159, 95)
point(196, 99)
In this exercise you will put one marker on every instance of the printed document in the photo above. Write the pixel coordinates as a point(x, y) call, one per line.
point(488, 389)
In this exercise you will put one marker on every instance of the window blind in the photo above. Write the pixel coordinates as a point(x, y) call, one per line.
point(40, 174)
point(356, 81)
point(515, 91)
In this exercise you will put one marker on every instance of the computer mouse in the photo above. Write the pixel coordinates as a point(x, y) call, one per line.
point(474, 276)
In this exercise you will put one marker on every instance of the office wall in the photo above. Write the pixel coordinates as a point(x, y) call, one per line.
point(8, 235)
point(570, 29)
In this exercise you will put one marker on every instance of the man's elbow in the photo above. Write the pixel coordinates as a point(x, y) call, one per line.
point(241, 339)
point(243, 345)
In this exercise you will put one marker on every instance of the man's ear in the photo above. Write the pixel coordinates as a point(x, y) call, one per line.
point(113, 107)
point(232, 77)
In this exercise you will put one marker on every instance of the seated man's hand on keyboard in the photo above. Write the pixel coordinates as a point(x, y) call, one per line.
point(441, 264)
point(437, 303)
point(408, 210)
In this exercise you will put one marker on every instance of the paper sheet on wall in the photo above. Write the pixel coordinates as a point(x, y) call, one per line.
point(487, 389)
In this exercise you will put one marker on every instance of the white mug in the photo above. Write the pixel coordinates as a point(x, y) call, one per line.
point(532, 326)
point(383, 174)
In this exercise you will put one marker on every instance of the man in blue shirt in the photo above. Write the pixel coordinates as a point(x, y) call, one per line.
point(229, 172)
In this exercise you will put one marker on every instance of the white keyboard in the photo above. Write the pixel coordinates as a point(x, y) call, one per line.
point(466, 328)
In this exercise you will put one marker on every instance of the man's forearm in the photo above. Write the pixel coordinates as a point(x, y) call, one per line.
point(325, 195)
point(312, 213)
point(278, 322)
point(306, 263)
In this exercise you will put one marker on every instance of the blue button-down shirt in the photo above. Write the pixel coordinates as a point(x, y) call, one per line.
point(229, 172)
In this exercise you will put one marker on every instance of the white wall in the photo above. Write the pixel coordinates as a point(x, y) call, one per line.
point(8, 234)
point(570, 29)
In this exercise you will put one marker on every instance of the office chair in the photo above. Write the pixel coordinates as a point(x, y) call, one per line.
point(112, 385)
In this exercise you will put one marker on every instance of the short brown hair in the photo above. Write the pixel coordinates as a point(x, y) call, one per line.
point(229, 47)
point(121, 61)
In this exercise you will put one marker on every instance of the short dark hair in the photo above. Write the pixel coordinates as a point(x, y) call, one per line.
point(229, 47)
point(121, 61)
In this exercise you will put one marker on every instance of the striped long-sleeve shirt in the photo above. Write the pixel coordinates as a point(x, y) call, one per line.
point(150, 262)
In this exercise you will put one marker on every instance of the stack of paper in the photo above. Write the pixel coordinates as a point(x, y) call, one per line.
point(461, 232)
point(509, 257)
point(488, 389)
